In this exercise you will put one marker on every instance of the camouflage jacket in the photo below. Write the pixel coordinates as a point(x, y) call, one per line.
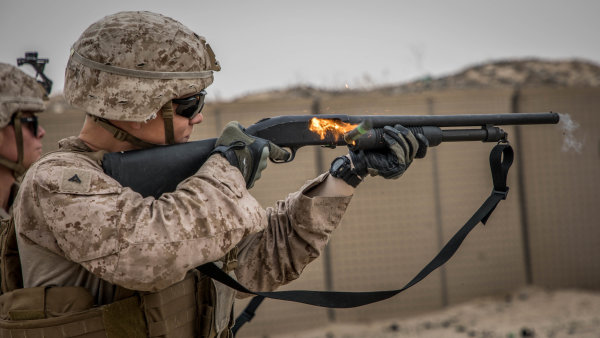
point(95, 233)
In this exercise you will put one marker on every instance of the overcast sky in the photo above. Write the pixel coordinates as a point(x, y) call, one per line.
point(271, 44)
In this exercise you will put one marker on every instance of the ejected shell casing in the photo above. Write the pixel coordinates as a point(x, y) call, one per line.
point(351, 136)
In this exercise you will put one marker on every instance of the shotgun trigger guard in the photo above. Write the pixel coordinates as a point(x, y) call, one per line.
point(292, 155)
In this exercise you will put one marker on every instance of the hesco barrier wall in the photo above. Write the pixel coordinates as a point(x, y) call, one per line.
point(546, 232)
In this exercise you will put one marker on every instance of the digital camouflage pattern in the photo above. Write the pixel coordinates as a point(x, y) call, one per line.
point(18, 92)
point(68, 210)
point(139, 41)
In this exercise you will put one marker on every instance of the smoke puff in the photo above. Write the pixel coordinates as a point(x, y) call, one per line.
point(568, 127)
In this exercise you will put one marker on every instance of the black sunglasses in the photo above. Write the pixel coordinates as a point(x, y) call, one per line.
point(190, 106)
point(30, 121)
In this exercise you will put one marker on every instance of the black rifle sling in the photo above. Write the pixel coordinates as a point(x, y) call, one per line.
point(501, 158)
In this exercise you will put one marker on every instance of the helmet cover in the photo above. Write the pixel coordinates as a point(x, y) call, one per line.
point(126, 66)
point(18, 92)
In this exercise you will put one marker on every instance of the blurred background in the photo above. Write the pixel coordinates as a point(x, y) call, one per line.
point(402, 57)
point(267, 44)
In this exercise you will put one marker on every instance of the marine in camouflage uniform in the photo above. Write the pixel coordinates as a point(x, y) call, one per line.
point(78, 227)
point(21, 97)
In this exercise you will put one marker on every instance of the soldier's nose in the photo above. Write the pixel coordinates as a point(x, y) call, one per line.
point(197, 119)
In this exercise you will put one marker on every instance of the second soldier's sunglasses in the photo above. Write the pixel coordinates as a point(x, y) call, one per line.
point(30, 121)
point(190, 106)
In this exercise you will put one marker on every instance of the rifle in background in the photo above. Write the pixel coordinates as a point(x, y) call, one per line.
point(31, 58)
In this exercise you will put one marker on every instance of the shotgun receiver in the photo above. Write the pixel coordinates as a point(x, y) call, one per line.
point(155, 171)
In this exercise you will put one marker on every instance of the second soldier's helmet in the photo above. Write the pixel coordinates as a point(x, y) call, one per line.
point(19, 92)
point(128, 65)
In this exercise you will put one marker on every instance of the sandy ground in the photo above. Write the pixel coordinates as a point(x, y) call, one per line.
point(530, 312)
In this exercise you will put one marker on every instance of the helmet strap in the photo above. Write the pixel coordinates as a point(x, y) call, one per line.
point(17, 168)
point(121, 134)
point(167, 115)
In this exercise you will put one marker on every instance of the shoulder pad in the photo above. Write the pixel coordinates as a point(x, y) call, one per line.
point(74, 174)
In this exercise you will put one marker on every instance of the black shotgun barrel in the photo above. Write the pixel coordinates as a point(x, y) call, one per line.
point(429, 126)
point(461, 120)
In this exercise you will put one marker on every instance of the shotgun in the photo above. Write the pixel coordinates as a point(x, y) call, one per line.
point(155, 171)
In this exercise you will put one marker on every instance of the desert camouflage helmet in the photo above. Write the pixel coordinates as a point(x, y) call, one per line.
point(18, 92)
point(128, 65)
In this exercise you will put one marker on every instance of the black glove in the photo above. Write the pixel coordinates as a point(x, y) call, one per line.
point(247, 153)
point(392, 161)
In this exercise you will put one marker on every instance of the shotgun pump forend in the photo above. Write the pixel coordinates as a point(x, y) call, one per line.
point(139, 169)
